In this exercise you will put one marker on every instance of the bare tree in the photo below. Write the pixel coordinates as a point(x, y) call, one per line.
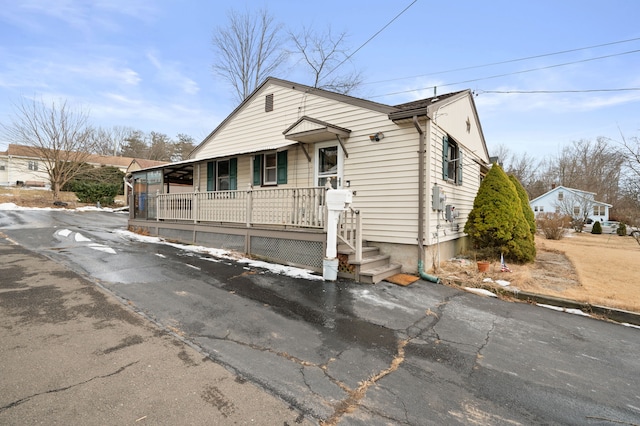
point(110, 140)
point(57, 134)
point(630, 151)
point(323, 53)
point(248, 50)
point(577, 206)
point(593, 166)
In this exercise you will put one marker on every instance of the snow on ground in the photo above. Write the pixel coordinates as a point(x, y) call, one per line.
point(561, 309)
point(480, 291)
point(289, 271)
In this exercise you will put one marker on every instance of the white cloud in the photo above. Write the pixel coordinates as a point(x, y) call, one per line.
point(170, 73)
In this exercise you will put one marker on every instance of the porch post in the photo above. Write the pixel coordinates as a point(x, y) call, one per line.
point(249, 205)
point(337, 200)
point(194, 206)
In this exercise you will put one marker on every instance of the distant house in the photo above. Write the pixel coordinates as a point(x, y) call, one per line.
point(20, 165)
point(569, 200)
point(258, 183)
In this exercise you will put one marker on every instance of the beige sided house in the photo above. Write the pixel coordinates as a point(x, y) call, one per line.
point(22, 165)
point(258, 183)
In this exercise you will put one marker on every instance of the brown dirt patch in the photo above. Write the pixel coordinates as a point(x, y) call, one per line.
point(36, 197)
point(597, 269)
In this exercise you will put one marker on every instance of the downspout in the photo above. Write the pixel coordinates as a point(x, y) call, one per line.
point(421, 201)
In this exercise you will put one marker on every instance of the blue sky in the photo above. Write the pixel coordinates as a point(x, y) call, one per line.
point(147, 63)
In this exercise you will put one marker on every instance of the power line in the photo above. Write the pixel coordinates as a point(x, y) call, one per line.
point(512, 73)
point(372, 37)
point(628, 89)
point(508, 61)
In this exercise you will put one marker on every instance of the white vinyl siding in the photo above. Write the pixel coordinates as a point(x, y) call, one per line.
point(383, 174)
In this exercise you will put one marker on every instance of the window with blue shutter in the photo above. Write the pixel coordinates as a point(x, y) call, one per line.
point(282, 167)
point(211, 176)
point(270, 169)
point(233, 174)
point(257, 170)
point(451, 161)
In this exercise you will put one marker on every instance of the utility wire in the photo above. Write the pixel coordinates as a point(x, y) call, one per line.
point(508, 61)
point(371, 38)
point(511, 73)
point(629, 89)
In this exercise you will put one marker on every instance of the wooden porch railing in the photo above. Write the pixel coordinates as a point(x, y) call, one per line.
point(295, 207)
point(350, 231)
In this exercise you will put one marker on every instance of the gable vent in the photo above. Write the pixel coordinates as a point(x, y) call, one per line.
point(268, 103)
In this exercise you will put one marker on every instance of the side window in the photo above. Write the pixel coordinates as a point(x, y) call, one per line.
point(270, 168)
point(451, 160)
point(33, 165)
point(222, 175)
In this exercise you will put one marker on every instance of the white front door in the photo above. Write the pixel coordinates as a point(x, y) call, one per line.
point(329, 163)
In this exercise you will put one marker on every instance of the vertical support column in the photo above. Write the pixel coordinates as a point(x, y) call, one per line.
point(249, 205)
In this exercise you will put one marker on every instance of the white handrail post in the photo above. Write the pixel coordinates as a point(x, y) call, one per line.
point(194, 206)
point(249, 204)
point(358, 238)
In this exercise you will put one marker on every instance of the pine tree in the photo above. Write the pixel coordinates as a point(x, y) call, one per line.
point(497, 222)
point(597, 228)
point(526, 207)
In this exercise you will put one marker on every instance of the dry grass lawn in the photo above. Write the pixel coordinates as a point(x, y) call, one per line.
point(36, 197)
point(597, 269)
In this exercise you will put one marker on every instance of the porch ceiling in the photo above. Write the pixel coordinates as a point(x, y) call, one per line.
point(178, 174)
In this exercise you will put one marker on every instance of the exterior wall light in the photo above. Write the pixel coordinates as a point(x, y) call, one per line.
point(377, 137)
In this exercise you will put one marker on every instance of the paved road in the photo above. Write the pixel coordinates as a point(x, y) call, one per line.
point(351, 354)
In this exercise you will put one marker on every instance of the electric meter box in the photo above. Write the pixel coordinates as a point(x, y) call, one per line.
point(438, 198)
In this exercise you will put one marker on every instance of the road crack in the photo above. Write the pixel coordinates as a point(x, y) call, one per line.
point(349, 404)
point(62, 389)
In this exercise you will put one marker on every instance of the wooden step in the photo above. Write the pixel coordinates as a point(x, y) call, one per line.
point(375, 275)
point(372, 262)
point(366, 252)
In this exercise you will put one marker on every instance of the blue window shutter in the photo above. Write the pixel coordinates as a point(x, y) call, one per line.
point(445, 157)
point(282, 167)
point(233, 174)
point(257, 170)
point(459, 176)
point(211, 176)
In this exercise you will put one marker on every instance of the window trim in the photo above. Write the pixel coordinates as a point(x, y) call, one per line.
point(281, 168)
point(213, 177)
point(450, 146)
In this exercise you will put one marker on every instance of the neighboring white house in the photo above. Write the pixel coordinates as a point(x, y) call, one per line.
point(570, 201)
point(257, 182)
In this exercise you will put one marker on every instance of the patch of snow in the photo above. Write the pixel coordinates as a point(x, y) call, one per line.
point(626, 324)
point(81, 238)
point(193, 266)
point(487, 280)
point(480, 291)
point(161, 255)
point(503, 283)
point(64, 232)
point(100, 247)
point(289, 271)
point(567, 310)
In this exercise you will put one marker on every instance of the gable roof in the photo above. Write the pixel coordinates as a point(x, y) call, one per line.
point(571, 190)
point(27, 151)
point(409, 108)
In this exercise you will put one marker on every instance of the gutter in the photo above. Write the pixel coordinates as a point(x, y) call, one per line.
point(421, 201)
